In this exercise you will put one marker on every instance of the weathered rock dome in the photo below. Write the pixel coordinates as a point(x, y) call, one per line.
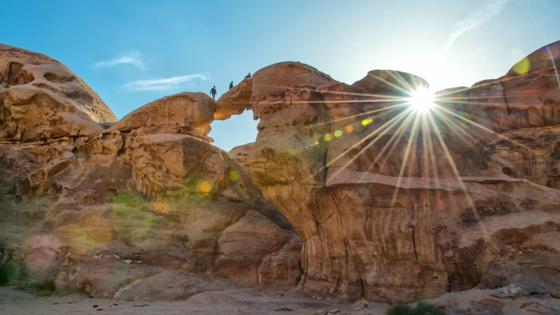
point(40, 98)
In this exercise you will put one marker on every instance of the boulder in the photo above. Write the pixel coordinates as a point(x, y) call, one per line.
point(179, 113)
point(41, 99)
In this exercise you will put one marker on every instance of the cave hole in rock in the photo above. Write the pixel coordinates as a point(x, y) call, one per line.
point(234, 131)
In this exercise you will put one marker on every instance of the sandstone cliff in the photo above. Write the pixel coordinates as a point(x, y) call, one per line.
point(392, 205)
point(389, 204)
point(146, 203)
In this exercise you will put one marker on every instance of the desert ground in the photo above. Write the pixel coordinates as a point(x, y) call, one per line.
point(232, 301)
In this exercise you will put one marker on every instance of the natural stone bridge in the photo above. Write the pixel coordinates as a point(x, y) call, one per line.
point(345, 192)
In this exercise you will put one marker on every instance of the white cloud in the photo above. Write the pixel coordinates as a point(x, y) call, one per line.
point(131, 58)
point(474, 21)
point(163, 83)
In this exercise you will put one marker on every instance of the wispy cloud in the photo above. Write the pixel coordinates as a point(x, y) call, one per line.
point(474, 21)
point(163, 83)
point(131, 58)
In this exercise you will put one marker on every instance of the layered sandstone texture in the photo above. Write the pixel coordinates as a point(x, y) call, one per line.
point(141, 208)
point(393, 204)
point(390, 204)
point(42, 99)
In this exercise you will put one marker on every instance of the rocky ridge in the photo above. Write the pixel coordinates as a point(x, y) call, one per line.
point(118, 209)
point(389, 205)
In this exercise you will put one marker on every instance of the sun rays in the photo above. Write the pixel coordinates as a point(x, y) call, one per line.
point(404, 131)
point(406, 136)
point(422, 100)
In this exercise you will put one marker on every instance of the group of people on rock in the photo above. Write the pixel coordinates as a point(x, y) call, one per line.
point(213, 90)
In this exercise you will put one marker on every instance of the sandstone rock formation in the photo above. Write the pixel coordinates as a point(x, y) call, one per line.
point(180, 113)
point(42, 99)
point(118, 212)
point(392, 205)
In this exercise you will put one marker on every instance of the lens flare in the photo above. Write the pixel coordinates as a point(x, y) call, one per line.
point(422, 100)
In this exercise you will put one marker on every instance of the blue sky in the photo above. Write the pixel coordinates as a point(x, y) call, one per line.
point(132, 52)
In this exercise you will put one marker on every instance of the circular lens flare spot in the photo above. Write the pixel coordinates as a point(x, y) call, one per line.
point(422, 100)
point(204, 187)
point(234, 175)
point(367, 121)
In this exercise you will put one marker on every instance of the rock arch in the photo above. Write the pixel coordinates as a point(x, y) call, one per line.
point(358, 240)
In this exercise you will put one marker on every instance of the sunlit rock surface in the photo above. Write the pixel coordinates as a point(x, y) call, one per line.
point(527, 96)
point(145, 209)
point(389, 204)
point(392, 205)
point(180, 113)
point(41, 99)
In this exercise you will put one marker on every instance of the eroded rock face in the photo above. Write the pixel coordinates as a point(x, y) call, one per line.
point(527, 96)
point(41, 99)
point(392, 205)
point(180, 113)
point(118, 212)
point(389, 204)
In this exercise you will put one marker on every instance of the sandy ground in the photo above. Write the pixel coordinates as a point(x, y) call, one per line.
point(233, 301)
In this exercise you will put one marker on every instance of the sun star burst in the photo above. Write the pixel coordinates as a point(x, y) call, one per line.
point(422, 100)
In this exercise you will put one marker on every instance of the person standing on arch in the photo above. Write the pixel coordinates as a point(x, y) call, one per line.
point(213, 92)
point(231, 85)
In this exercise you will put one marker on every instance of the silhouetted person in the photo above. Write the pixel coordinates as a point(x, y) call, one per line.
point(231, 85)
point(248, 75)
point(213, 92)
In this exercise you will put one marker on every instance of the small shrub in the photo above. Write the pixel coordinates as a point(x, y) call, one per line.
point(131, 217)
point(420, 309)
point(468, 217)
point(196, 191)
point(11, 267)
point(315, 152)
point(6, 272)
point(43, 288)
point(11, 273)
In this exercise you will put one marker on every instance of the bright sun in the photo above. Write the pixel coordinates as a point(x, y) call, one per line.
point(422, 100)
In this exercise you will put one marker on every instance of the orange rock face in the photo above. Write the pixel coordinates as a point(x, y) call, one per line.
point(181, 113)
point(116, 212)
point(346, 192)
point(392, 204)
point(42, 99)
